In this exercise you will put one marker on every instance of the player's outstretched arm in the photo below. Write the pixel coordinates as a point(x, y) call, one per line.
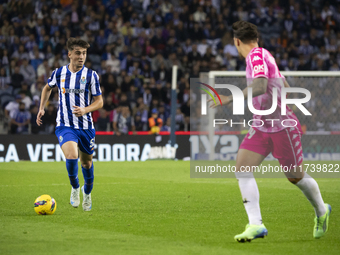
point(286, 84)
point(259, 87)
point(224, 99)
point(97, 104)
point(45, 95)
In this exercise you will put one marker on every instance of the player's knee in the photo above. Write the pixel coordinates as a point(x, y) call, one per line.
point(294, 180)
point(71, 155)
point(86, 164)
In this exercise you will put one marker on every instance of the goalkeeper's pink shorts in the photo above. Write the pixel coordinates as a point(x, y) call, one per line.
point(285, 145)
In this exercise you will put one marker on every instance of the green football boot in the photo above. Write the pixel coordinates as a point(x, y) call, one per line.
point(321, 223)
point(252, 232)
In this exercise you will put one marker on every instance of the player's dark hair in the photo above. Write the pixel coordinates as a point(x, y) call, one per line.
point(74, 42)
point(245, 31)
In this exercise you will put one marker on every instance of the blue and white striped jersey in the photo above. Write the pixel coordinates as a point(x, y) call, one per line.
point(74, 89)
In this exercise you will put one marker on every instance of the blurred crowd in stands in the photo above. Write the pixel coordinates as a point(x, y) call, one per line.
point(134, 45)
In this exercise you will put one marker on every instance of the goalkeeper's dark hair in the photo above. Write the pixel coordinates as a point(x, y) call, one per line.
point(74, 42)
point(245, 31)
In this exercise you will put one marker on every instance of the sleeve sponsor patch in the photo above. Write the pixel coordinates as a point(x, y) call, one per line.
point(258, 64)
point(258, 69)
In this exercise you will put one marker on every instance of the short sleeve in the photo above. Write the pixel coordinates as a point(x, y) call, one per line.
point(258, 65)
point(95, 86)
point(13, 114)
point(52, 81)
point(9, 106)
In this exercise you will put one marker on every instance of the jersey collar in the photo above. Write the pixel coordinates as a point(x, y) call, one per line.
point(250, 52)
point(75, 72)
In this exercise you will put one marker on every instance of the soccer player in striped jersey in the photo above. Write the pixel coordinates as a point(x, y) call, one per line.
point(79, 95)
point(284, 143)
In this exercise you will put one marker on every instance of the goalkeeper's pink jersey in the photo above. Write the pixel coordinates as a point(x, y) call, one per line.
point(260, 63)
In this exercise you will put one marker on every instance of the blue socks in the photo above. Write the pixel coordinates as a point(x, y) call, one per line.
point(72, 169)
point(88, 179)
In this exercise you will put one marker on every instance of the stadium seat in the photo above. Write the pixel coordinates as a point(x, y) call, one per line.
point(8, 90)
point(5, 99)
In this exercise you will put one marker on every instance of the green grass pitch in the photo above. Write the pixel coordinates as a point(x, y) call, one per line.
point(154, 207)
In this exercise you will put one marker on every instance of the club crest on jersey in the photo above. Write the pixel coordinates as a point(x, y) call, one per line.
point(60, 138)
point(83, 81)
point(255, 58)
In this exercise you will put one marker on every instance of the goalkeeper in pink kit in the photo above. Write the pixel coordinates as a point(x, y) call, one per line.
point(283, 142)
